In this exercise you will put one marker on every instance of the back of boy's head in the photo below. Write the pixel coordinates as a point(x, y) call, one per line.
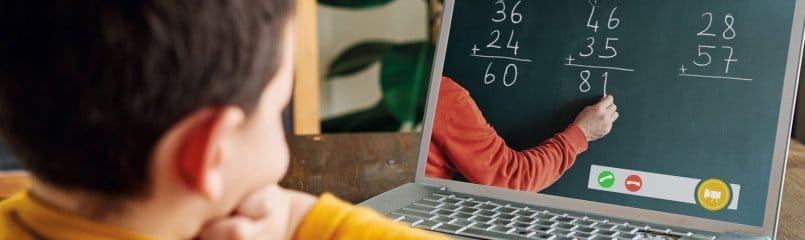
point(88, 87)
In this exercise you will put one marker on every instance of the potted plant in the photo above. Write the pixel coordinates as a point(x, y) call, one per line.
point(404, 75)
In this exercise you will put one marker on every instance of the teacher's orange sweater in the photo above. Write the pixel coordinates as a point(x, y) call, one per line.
point(464, 145)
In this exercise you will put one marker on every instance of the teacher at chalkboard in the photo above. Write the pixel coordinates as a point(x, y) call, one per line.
point(465, 147)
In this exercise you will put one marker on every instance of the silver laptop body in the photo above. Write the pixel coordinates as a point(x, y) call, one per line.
point(590, 216)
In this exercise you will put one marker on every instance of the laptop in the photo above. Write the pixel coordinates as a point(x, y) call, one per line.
point(701, 175)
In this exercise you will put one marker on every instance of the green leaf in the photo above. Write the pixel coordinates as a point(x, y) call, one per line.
point(355, 3)
point(357, 58)
point(404, 78)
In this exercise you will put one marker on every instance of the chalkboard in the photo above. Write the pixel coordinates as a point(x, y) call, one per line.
point(698, 85)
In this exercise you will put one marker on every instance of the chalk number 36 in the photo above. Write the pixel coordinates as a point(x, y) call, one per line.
point(501, 15)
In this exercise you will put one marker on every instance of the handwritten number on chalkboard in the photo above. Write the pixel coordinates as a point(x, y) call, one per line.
point(613, 22)
point(729, 33)
point(502, 11)
point(590, 19)
point(606, 79)
point(709, 24)
point(493, 43)
point(705, 54)
point(488, 77)
point(515, 16)
point(516, 43)
point(729, 59)
point(590, 47)
point(506, 73)
point(585, 78)
point(608, 47)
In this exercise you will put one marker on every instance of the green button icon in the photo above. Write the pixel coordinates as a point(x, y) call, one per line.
point(606, 179)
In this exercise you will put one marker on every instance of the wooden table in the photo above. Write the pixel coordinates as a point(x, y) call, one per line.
point(359, 166)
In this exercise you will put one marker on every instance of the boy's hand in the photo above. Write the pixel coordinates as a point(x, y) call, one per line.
point(271, 213)
point(596, 120)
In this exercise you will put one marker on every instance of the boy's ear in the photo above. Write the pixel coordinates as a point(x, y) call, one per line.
point(200, 142)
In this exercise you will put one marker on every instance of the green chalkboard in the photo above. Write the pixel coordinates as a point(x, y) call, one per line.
point(698, 85)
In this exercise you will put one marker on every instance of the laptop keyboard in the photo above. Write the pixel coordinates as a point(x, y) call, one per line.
point(465, 216)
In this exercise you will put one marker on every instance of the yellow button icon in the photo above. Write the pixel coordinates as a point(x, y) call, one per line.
point(713, 194)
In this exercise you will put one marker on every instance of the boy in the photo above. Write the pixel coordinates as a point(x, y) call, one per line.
point(158, 120)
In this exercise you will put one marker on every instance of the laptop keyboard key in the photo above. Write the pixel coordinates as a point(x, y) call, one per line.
point(487, 206)
point(505, 216)
point(461, 222)
point(411, 213)
point(461, 215)
point(500, 222)
point(468, 204)
point(443, 212)
point(621, 228)
point(468, 210)
point(426, 224)
point(626, 235)
point(487, 213)
point(508, 210)
point(442, 219)
point(581, 235)
point(521, 232)
point(433, 198)
point(525, 219)
point(428, 203)
point(410, 220)
point(481, 219)
point(526, 213)
point(450, 200)
point(541, 229)
point(450, 207)
point(541, 236)
point(564, 219)
point(448, 228)
point(582, 222)
point(559, 232)
point(483, 226)
point(585, 229)
point(520, 225)
point(420, 208)
point(478, 233)
point(546, 223)
point(606, 233)
point(566, 226)
point(501, 229)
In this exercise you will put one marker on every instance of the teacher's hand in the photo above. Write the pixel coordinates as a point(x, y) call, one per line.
point(596, 120)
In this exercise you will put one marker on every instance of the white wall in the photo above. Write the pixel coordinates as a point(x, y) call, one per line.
point(399, 21)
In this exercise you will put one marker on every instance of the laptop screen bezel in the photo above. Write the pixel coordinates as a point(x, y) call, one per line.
point(779, 160)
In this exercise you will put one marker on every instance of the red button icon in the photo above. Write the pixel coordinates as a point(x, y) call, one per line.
point(634, 183)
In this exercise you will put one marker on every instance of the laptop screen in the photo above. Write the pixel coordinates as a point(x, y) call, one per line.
point(698, 88)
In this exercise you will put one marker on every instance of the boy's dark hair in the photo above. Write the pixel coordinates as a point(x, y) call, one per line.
point(88, 87)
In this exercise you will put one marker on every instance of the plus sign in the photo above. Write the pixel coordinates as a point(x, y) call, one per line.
point(475, 49)
point(570, 59)
point(683, 69)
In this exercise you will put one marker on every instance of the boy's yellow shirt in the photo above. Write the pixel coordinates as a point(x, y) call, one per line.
point(25, 218)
